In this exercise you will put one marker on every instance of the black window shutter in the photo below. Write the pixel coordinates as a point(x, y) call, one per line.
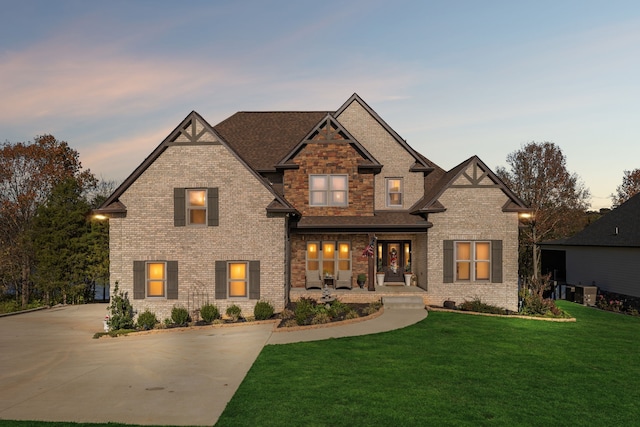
point(213, 212)
point(172, 279)
point(179, 208)
point(254, 279)
point(447, 261)
point(139, 279)
point(221, 280)
point(496, 261)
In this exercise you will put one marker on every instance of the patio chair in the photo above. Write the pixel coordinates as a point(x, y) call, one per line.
point(313, 280)
point(344, 279)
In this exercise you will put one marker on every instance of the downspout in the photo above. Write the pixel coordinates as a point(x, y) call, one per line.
point(287, 260)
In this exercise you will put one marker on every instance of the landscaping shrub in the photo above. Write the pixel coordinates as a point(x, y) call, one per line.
point(209, 312)
point(533, 301)
point(233, 311)
point(147, 320)
point(373, 307)
point(263, 310)
point(321, 318)
point(179, 316)
point(480, 307)
point(304, 311)
point(338, 309)
point(120, 311)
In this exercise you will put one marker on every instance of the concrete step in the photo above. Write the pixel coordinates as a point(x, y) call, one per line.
point(403, 302)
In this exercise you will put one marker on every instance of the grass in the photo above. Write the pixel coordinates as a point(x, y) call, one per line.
point(453, 369)
point(449, 370)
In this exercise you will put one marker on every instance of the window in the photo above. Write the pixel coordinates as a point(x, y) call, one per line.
point(196, 207)
point(328, 190)
point(333, 257)
point(394, 192)
point(155, 279)
point(472, 261)
point(237, 279)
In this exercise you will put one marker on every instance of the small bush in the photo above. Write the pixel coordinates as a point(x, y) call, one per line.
point(305, 309)
point(373, 308)
point(179, 316)
point(233, 311)
point(321, 318)
point(147, 320)
point(480, 307)
point(209, 313)
point(286, 314)
point(120, 310)
point(339, 309)
point(263, 310)
point(352, 315)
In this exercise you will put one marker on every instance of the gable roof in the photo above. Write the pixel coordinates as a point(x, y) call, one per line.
point(431, 204)
point(618, 228)
point(264, 138)
point(193, 130)
point(329, 129)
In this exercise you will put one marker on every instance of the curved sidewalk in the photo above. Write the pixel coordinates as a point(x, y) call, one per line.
point(389, 320)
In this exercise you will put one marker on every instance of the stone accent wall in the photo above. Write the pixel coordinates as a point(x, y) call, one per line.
point(395, 159)
point(329, 158)
point(245, 231)
point(474, 213)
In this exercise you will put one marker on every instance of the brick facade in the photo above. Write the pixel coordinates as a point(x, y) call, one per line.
point(474, 213)
point(246, 232)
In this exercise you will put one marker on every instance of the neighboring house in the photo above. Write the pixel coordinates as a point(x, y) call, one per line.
point(265, 203)
point(606, 253)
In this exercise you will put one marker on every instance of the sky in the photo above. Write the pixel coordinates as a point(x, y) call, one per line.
point(454, 78)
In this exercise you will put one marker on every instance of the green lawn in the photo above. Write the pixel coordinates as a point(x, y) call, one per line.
point(453, 369)
point(450, 369)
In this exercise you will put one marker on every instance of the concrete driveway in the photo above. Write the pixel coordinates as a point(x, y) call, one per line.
point(52, 369)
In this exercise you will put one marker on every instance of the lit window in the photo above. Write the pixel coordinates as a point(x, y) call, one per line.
point(332, 256)
point(156, 279)
point(328, 190)
point(473, 261)
point(394, 192)
point(197, 207)
point(237, 279)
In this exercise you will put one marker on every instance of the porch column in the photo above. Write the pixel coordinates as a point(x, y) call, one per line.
point(371, 286)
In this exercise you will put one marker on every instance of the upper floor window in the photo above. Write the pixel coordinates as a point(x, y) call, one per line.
point(197, 207)
point(328, 190)
point(394, 192)
point(473, 261)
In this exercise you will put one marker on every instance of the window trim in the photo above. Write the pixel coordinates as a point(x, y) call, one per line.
point(329, 191)
point(388, 192)
point(472, 261)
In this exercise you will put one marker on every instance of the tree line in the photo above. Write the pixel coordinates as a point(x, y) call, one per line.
point(50, 249)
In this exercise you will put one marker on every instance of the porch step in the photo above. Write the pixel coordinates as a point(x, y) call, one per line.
point(403, 302)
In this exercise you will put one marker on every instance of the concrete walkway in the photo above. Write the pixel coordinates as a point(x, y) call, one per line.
point(52, 369)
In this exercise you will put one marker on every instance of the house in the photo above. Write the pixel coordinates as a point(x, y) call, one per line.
point(606, 253)
point(272, 205)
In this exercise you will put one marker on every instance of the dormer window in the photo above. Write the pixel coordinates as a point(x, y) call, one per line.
point(328, 190)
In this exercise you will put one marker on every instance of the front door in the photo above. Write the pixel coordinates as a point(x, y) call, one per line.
point(394, 257)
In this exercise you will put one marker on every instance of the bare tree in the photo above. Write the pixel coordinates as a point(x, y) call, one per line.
point(630, 187)
point(538, 175)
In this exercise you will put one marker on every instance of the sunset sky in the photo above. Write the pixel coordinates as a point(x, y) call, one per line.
point(453, 78)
